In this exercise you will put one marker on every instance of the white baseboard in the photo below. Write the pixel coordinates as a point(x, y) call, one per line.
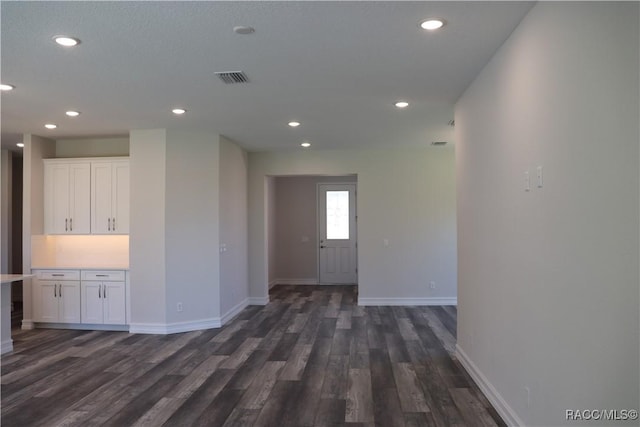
point(408, 301)
point(174, 328)
point(83, 326)
point(307, 281)
point(234, 311)
point(6, 346)
point(258, 300)
point(507, 413)
point(28, 324)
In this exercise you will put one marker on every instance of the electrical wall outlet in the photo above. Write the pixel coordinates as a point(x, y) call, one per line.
point(432, 285)
point(179, 306)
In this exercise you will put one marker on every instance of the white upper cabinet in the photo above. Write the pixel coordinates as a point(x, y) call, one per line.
point(86, 196)
point(67, 198)
point(110, 197)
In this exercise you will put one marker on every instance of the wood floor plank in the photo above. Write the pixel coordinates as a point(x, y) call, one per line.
point(241, 354)
point(330, 412)
point(470, 408)
point(411, 396)
point(159, 413)
point(265, 380)
point(387, 409)
point(197, 377)
point(191, 409)
point(311, 357)
point(359, 397)
point(294, 367)
point(336, 378)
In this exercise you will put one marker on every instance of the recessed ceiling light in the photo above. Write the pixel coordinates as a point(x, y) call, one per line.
point(66, 41)
point(432, 24)
point(241, 29)
point(20, 144)
point(6, 87)
point(306, 144)
point(294, 124)
point(401, 104)
point(50, 126)
point(178, 111)
point(72, 113)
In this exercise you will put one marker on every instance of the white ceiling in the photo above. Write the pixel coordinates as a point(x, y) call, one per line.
point(337, 67)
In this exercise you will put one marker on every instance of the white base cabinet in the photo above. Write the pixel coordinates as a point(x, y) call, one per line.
point(56, 297)
point(91, 297)
point(103, 297)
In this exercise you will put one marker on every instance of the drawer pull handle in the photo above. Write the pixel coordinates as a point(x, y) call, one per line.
point(57, 275)
point(102, 275)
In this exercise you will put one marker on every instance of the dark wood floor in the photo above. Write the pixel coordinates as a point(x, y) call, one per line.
point(311, 357)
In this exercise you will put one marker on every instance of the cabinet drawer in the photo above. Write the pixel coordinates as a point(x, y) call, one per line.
point(103, 275)
point(57, 274)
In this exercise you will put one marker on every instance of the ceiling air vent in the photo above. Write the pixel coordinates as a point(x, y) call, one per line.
point(439, 143)
point(231, 77)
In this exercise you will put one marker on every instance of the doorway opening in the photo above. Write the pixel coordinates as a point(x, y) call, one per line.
point(311, 229)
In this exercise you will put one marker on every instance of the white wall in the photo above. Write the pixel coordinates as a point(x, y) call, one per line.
point(404, 195)
point(234, 277)
point(269, 220)
point(35, 149)
point(147, 238)
point(192, 231)
point(188, 193)
point(92, 147)
point(548, 279)
point(296, 217)
point(5, 211)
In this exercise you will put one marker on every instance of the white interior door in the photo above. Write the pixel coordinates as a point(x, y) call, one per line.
point(337, 233)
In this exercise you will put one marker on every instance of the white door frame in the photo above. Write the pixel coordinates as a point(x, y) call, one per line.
point(319, 228)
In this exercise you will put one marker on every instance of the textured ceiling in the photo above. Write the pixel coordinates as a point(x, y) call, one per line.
point(337, 67)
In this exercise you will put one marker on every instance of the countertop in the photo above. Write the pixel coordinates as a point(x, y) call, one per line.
point(9, 278)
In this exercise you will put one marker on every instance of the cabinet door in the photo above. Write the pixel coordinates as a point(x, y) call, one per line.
point(101, 198)
point(45, 301)
point(120, 197)
point(79, 198)
point(92, 302)
point(115, 303)
point(69, 301)
point(56, 198)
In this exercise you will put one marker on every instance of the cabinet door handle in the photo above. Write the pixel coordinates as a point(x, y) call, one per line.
point(55, 290)
point(70, 224)
point(66, 224)
point(109, 224)
point(104, 291)
point(60, 291)
point(99, 287)
point(114, 224)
